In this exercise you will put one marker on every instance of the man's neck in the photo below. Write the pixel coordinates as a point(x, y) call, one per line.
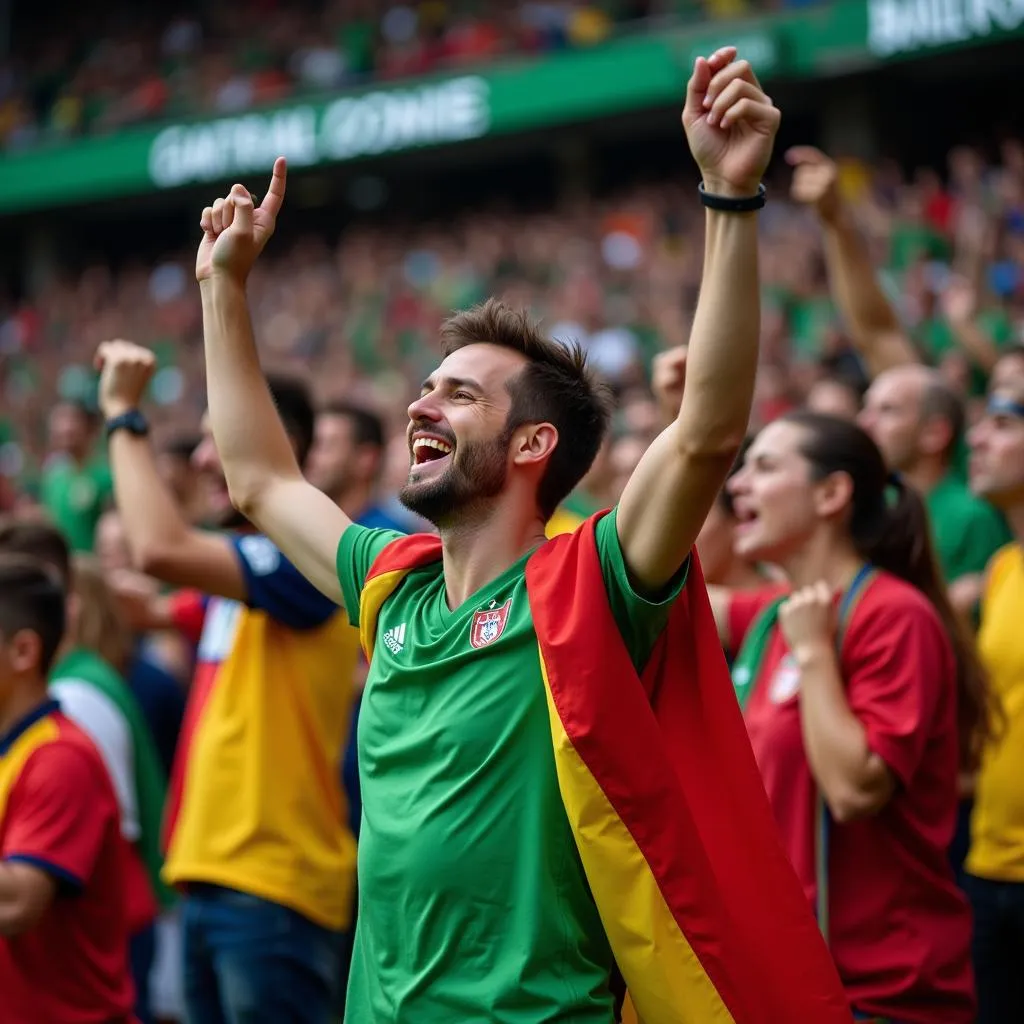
point(481, 550)
point(24, 700)
point(926, 475)
point(823, 559)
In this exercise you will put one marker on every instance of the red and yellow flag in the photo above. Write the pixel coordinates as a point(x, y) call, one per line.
point(704, 914)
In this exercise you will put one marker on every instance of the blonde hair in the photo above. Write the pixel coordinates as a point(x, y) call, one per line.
point(98, 626)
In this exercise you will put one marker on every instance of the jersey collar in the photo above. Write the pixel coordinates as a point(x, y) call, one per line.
point(9, 738)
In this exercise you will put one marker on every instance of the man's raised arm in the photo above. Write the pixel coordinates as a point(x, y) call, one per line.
point(874, 327)
point(730, 125)
point(263, 476)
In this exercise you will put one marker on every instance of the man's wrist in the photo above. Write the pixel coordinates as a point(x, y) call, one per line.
point(111, 410)
point(813, 653)
point(221, 281)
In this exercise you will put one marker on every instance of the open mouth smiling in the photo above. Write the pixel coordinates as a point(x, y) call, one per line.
point(429, 449)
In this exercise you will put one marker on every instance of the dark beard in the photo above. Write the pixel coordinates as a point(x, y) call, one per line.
point(477, 472)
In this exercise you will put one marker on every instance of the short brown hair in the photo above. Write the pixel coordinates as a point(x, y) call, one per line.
point(32, 598)
point(557, 387)
point(37, 538)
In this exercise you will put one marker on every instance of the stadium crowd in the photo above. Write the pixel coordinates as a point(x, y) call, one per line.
point(129, 66)
point(891, 301)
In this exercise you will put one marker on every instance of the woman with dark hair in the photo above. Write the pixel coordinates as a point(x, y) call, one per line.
point(863, 699)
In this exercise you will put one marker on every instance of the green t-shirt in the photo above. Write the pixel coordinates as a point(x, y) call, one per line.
point(76, 498)
point(937, 338)
point(473, 903)
point(967, 530)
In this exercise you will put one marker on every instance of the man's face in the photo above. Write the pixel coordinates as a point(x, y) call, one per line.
point(206, 461)
point(68, 430)
point(892, 416)
point(332, 465)
point(458, 433)
point(997, 445)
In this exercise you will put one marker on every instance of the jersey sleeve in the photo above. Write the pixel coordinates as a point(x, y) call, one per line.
point(640, 619)
point(55, 816)
point(744, 607)
point(896, 663)
point(273, 585)
point(357, 551)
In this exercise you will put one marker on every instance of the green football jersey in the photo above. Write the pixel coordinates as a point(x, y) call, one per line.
point(473, 903)
point(76, 498)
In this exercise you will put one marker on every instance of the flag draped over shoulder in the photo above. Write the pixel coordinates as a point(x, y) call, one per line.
point(704, 914)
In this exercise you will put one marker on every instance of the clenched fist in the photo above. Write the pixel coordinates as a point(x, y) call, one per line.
point(235, 230)
point(668, 376)
point(815, 181)
point(125, 371)
point(808, 619)
point(730, 124)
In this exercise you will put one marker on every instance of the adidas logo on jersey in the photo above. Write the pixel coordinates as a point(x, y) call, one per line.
point(394, 639)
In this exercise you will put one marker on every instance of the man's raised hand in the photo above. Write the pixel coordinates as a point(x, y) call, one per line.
point(235, 230)
point(815, 181)
point(125, 371)
point(730, 124)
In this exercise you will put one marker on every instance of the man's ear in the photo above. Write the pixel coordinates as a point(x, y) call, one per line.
point(533, 443)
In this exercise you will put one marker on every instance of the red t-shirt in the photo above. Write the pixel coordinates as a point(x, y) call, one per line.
point(899, 928)
point(58, 812)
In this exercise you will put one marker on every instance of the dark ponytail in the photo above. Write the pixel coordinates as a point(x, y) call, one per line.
point(889, 527)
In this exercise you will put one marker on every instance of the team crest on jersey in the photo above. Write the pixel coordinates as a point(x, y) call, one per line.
point(785, 683)
point(488, 625)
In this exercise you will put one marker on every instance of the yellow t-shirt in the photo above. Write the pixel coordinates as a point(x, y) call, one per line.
point(256, 800)
point(997, 826)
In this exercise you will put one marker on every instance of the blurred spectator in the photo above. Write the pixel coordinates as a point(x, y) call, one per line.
point(272, 692)
point(86, 680)
point(995, 865)
point(75, 486)
point(918, 422)
point(346, 461)
point(832, 678)
point(64, 943)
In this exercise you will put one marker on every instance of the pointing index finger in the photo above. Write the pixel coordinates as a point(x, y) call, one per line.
point(274, 198)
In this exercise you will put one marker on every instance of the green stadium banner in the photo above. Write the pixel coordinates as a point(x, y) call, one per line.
point(630, 73)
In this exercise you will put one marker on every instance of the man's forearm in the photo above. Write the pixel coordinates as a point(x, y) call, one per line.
point(721, 362)
point(874, 327)
point(153, 523)
point(251, 440)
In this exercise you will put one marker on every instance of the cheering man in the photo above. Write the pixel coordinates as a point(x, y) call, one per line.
point(556, 782)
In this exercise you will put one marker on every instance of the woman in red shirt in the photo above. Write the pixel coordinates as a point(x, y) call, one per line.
point(863, 699)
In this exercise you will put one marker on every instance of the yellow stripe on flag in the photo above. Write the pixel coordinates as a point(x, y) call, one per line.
point(375, 592)
point(648, 944)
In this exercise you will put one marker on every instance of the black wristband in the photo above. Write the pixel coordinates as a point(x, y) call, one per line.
point(726, 204)
point(133, 421)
